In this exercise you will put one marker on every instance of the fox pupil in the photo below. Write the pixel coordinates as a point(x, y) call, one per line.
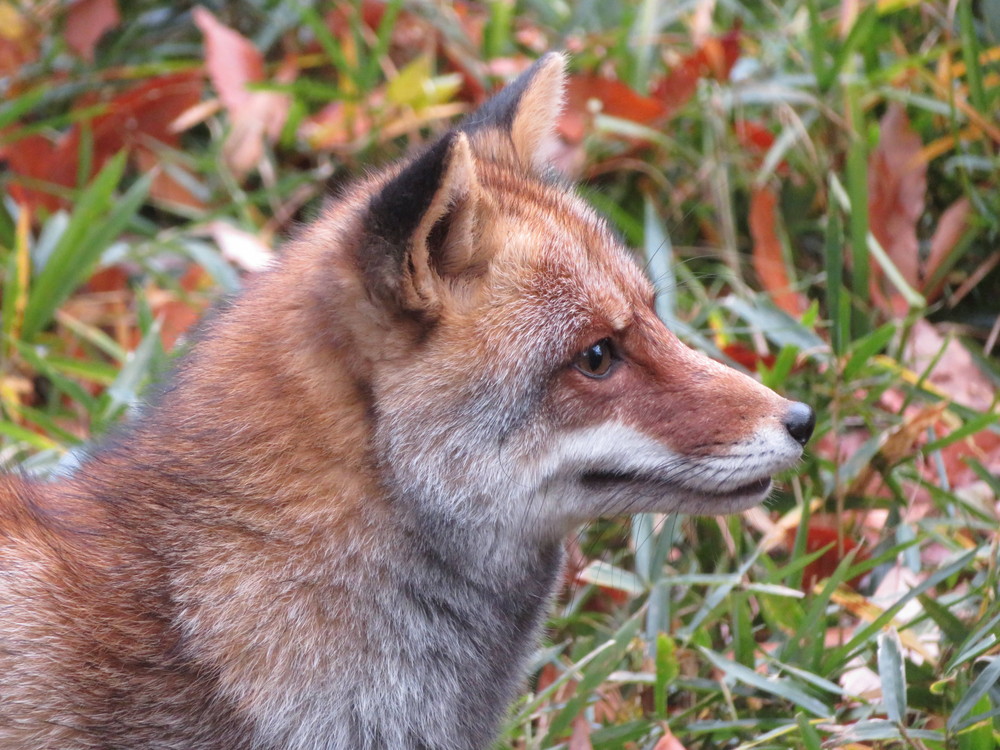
point(595, 361)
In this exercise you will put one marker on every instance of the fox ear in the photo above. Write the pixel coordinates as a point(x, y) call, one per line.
point(421, 228)
point(528, 109)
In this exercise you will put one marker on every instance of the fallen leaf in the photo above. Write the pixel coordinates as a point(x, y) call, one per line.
point(753, 135)
point(821, 534)
point(20, 37)
point(714, 58)
point(668, 741)
point(955, 372)
point(338, 124)
point(749, 358)
point(580, 739)
point(133, 119)
point(165, 187)
point(768, 261)
point(897, 444)
point(231, 60)
point(233, 63)
point(244, 249)
point(897, 183)
point(586, 95)
point(86, 22)
point(946, 235)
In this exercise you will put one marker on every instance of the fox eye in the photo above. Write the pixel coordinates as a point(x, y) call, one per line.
point(595, 361)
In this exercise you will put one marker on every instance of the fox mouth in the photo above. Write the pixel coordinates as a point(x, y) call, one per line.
point(756, 488)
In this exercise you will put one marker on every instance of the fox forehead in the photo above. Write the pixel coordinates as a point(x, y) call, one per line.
point(554, 253)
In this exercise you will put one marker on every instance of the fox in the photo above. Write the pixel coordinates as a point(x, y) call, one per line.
point(341, 521)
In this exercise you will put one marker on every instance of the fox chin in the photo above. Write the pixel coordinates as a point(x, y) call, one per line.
point(340, 525)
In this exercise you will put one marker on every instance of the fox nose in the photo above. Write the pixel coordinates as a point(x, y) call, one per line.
point(800, 421)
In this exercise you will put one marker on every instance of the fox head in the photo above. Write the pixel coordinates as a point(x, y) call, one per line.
point(517, 373)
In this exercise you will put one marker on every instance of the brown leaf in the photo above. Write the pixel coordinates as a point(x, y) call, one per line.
point(897, 183)
point(946, 235)
point(898, 444)
point(580, 739)
point(87, 21)
point(768, 261)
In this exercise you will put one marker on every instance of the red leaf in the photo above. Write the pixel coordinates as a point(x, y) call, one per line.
point(613, 98)
point(87, 21)
point(230, 59)
point(747, 357)
point(714, 58)
point(133, 119)
point(754, 136)
point(767, 257)
point(819, 536)
point(897, 183)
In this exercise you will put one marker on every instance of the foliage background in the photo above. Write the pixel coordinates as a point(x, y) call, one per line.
point(813, 188)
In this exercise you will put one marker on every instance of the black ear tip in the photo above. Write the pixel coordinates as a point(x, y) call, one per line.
point(500, 110)
point(395, 211)
point(800, 421)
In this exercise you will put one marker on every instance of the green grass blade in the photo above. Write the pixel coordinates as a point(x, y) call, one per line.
point(782, 688)
point(986, 679)
point(96, 220)
point(970, 55)
point(892, 674)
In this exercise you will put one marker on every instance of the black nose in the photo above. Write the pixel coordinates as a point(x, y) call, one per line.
point(799, 421)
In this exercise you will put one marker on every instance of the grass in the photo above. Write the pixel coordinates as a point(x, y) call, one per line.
point(860, 608)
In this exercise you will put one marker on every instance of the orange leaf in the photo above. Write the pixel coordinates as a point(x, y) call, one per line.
point(86, 22)
point(768, 262)
point(897, 183)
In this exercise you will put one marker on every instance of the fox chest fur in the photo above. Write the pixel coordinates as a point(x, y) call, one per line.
point(339, 525)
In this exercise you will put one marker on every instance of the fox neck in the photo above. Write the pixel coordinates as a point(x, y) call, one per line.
point(269, 571)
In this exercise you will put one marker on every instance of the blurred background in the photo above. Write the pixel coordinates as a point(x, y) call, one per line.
point(813, 189)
